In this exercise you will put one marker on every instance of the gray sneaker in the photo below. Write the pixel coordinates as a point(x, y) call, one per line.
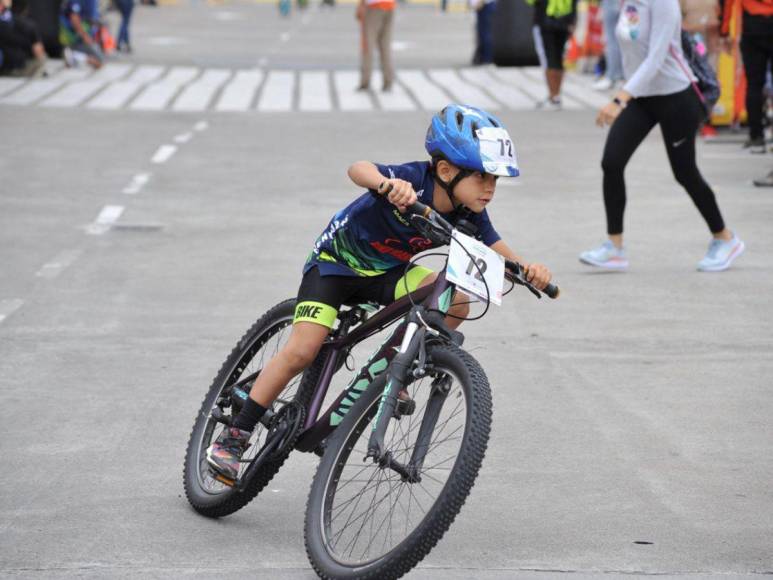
point(721, 254)
point(607, 255)
point(766, 181)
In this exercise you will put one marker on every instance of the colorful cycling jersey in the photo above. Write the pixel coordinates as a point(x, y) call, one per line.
point(370, 236)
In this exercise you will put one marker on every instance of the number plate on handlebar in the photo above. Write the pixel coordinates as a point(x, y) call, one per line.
point(468, 271)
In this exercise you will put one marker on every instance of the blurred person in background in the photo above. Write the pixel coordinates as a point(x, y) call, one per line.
point(700, 18)
point(484, 46)
point(20, 42)
point(125, 7)
point(376, 17)
point(554, 22)
point(757, 53)
point(614, 61)
point(78, 21)
point(658, 91)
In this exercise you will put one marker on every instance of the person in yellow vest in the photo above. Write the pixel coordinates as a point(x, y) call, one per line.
point(376, 18)
point(554, 22)
point(757, 52)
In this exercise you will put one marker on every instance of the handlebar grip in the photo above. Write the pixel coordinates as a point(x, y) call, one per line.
point(552, 291)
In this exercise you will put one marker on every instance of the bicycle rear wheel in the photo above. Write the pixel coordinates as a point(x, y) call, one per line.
point(364, 521)
point(259, 344)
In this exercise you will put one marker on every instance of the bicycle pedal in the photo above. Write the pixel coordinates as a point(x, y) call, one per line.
point(404, 408)
point(222, 478)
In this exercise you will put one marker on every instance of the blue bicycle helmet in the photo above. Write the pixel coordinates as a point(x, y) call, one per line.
point(472, 139)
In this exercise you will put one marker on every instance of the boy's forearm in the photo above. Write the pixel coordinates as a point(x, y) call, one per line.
point(501, 248)
point(365, 174)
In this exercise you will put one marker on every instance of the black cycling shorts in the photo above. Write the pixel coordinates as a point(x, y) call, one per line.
point(554, 41)
point(320, 297)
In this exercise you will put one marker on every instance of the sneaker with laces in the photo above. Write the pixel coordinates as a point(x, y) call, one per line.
point(607, 255)
point(224, 454)
point(721, 254)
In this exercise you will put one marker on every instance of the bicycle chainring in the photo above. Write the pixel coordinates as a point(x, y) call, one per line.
point(287, 423)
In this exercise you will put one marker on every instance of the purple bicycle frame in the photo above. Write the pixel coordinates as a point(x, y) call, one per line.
point(316, 428)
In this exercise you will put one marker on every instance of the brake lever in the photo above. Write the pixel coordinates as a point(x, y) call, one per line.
point(517, 276)
point(430, 229)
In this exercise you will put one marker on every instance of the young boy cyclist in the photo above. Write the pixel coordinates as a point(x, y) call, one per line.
point(361, 254)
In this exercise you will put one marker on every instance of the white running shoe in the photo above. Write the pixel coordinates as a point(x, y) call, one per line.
point(607, 255)
point(550, 104)
point(603, 84)
point(721, 254)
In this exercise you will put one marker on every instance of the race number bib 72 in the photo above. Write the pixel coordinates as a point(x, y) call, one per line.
point(468, 271)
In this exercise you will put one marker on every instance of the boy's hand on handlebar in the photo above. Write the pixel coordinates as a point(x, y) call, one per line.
point(537, 275)
point(399, 193)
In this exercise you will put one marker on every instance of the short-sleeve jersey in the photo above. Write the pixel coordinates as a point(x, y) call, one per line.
point(370, 236)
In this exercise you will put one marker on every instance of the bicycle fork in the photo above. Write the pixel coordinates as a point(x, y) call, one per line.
point(398, 374)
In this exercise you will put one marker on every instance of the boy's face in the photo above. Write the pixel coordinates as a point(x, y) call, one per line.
point(474, 191)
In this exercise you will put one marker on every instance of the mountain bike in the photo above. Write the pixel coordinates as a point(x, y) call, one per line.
point(395, 470)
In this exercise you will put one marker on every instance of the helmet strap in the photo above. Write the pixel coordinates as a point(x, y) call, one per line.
point(449, 186)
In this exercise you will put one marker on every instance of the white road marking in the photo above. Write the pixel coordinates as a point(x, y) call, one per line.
point(395, 100)
point(111, 71)
point(72, 74)
point(146, 73)
point(284, 37)
point(508, 94)
point(430, 97)
point(183, 138)
point(114, 96)
point(463, 91)
point(55, 267)
point(8, 306)
point(277, 92)
point(197, 95)
point(349, 99)
point(106, 218)
point(315, 91)
point(32, 91)
point(240, 92)
point(137, 183)
point(157, 95)
point(201, 126)
point(163, 153)
point(74, 94)
point(7, 85)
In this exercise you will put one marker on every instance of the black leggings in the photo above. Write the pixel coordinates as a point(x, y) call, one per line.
point(679, 116)
point(757, 51)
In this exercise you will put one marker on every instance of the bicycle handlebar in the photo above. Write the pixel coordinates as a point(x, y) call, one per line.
point(514, 271)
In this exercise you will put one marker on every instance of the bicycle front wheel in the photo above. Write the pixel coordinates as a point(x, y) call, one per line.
point(367, 521)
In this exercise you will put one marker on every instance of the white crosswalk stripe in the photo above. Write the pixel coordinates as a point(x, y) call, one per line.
point(277, 92)
point(32, 91)
point(349, 99)
point(197, 95)
point(240, 92)
point(122, 86)
point(463, 91)
point(315, 91)
point(73, 94)
point(156, 96)
point(429, 95)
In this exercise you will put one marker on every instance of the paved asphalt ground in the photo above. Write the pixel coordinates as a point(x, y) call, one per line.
point(632, 431)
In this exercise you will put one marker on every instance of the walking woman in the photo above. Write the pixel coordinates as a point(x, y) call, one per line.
point(658, 91)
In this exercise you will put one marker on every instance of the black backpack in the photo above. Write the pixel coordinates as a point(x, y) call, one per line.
point(707, 86)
